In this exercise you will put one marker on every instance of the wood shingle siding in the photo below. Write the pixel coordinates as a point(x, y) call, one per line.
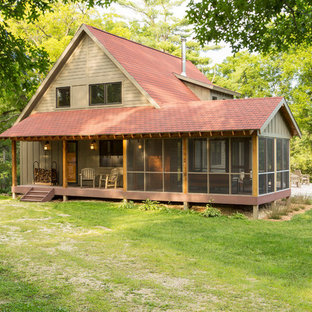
point(88, 65)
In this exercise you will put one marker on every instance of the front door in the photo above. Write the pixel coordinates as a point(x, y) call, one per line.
point(72, 162)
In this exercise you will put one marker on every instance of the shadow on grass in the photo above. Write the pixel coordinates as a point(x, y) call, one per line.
point(18, 295)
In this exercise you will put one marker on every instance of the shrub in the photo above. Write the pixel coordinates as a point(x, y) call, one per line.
point(150, 205)
point(278, 210)
point(239, 216)
point(211, 212)
point(126, 205)
point(301, 199)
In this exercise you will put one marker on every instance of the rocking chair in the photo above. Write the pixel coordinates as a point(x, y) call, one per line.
point(111, 179)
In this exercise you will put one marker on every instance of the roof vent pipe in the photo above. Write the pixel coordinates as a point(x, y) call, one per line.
point(183, 56)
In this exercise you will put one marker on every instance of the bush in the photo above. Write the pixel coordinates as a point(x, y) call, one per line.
point(301, 199)
point(211, 212)
point(126, 205)
point(239, 216)
point(277, 211)
point(150, 205)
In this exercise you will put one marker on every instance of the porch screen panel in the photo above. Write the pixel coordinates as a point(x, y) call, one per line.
point(173, 182)
point(153, 155)
point(282, 160)
point(219, 183)
point(266, 165)
point(214, 169)
point(154, 163)
point(135, 165)
point(172, 165)
point(157, 164)
point(241, 166)
point(197, 183)
point(154, 182)
point(197, 156)
point(135, 155)
point(219, 166)
point(135, 181)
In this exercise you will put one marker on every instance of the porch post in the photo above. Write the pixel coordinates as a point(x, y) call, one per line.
point(184, 169)
point(275, 166)
point(255, 169)
point(65, 167)
point(14, 169)
point(124, 145)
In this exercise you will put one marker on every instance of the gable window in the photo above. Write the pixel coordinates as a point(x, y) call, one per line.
point(105, 93)
point(63, 97)
point(111, 153)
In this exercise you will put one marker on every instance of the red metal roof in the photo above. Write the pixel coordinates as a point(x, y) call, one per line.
point(152, 69)
point(221, 115)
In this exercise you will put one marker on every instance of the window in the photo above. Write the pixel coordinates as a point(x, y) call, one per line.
point(111, 153)
point(214, 98)
point(105, 93)
point(63, 97)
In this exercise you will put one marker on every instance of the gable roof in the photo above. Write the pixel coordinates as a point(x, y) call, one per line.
point(150, 70)
point(154, 70)
point(197, 116)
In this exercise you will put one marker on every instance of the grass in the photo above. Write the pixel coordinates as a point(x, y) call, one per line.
point(98, 256)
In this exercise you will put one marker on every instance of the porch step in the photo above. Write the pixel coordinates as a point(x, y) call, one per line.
point(38, 195)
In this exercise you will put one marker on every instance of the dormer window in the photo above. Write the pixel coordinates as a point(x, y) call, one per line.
point(63, 97)
point(105, 93)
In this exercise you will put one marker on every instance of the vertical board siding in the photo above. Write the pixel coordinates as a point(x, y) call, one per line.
point(201, 92)
point(88, 65)
point(277, 127)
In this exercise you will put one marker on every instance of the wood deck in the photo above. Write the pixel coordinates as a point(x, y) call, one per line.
point(119, 193)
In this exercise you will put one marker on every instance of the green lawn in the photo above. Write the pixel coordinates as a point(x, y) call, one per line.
point(94, 256)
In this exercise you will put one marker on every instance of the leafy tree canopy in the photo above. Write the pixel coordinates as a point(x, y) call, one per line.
point(157, 26)
point(258, 25)
point(285, 74)
point(21, 61)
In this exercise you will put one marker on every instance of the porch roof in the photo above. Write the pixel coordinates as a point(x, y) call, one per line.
point(196, 116)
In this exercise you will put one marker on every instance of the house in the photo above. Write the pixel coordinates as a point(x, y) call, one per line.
point(109, 102)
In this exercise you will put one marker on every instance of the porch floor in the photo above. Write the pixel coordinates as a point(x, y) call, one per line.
point(119, 193)
point(78, 191)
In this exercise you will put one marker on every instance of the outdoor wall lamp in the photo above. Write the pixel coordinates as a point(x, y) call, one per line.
point(46, 146)
point(92, 145)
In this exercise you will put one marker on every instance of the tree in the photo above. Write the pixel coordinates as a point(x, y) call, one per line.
point(258, 25)
point(285, 74)
point(22, 62)
point(157, 26)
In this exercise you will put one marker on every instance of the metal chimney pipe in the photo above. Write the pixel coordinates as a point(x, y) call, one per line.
point(183, 56)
